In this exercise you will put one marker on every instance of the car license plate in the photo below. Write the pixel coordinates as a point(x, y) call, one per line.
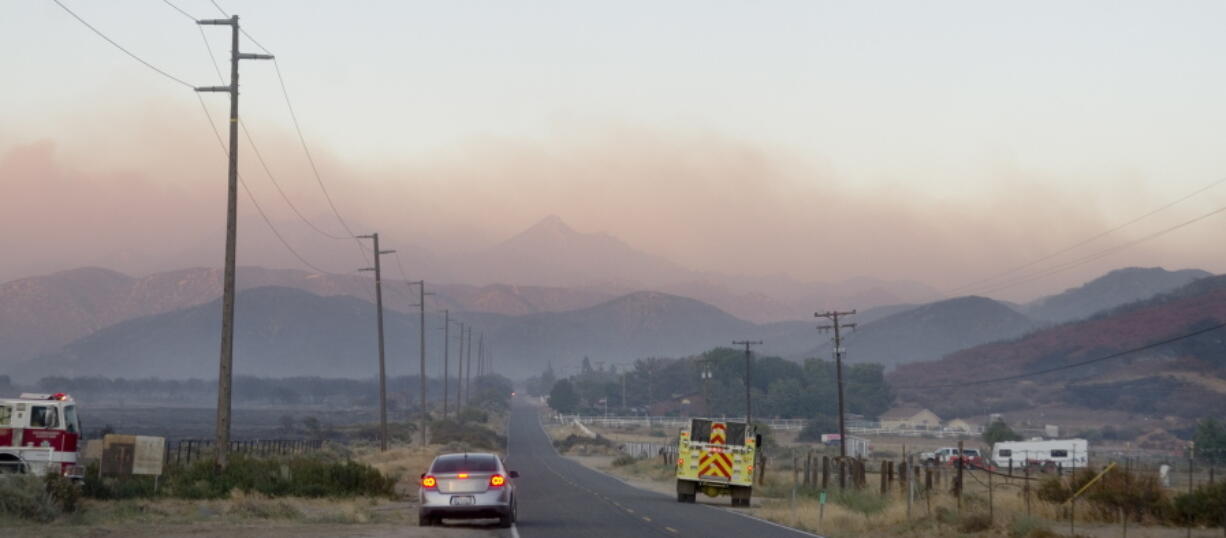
point(462, 500)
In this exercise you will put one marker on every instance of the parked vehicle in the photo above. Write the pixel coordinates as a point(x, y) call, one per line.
point(949, 456)
point(467, 486)
point(717, 458)
point(40, 434)
point(1043, 455)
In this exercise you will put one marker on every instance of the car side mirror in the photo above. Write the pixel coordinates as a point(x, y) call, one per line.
point(423, 475)
point(514, 474)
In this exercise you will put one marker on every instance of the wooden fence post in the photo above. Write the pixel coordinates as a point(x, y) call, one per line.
point(825, 472)
point(884, 478)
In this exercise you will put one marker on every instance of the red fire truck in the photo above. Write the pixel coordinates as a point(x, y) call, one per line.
point(40, 434)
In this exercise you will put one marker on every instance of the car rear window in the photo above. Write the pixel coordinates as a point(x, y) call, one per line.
point(464, 462)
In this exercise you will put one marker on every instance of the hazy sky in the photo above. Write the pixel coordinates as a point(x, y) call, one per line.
point(937, 141)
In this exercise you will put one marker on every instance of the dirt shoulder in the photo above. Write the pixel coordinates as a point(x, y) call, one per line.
point(270, 530)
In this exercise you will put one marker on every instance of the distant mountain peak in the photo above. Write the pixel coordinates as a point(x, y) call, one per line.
point(550, 226)
point(1118, 287)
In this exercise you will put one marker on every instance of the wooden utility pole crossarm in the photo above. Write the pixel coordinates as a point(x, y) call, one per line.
point(226, 366)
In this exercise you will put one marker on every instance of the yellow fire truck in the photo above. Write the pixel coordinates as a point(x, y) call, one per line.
point(716, 458)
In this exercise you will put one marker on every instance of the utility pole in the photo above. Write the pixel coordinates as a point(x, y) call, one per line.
point(459, 375)
point(748, 367)
point(225, 372)
point(421, 305)
point(378, 269)
point(446, 356)
point(468, 368)
point(834, 316)
point(624, 407)
point(706, 381)
point(480, 356)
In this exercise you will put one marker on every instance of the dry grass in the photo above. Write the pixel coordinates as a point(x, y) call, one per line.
point(406, 463)
point(238, 509)
point(402, 463)
point(937, 515)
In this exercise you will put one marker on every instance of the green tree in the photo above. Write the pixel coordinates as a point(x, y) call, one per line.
point(998, 431)
point(1210, 441)
point(563, 398)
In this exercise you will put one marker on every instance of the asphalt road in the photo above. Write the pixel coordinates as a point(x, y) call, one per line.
point(559, 498)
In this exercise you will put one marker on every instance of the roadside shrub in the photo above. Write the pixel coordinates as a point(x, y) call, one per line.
point(1053, 490)
point(573, 441)
point(976, 522)
point(26, 497)
point(624, 460)
point(115, 487)
point(303, 477)
point(472, 414)
point(63, 492)
point(467, 434)
point(1204, 506)
point(1137, 496)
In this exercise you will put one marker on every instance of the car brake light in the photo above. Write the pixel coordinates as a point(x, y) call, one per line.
point(497, 481)
point(463, 475)
point(429, 482)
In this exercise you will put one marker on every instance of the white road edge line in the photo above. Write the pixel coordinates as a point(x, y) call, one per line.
point(514, 531)
point(627, 482)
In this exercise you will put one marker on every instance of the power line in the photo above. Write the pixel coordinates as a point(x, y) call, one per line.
point(307, 151)
point(121, 48)
point(209, 117)
point(241, 30)
point(302, 140)
point(1068, 366)
point(259, 156)
point(1084, 242)
point(256, 203)
point(180, 10)
point(1100, 254)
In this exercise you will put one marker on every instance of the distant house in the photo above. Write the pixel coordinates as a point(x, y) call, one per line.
point(909, 418)
point(959, 425)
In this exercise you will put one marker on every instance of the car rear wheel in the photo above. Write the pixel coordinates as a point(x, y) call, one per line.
point(425, 521)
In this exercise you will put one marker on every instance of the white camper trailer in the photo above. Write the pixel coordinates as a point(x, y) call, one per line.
point(1067, 453)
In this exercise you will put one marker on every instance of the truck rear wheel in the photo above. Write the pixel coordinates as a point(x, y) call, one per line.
point(687, 491)
point(741, 495)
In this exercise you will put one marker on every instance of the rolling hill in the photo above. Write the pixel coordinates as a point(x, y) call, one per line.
point(930, 331)
point(1185, 378)
point(285, 331)
point(1113, 289)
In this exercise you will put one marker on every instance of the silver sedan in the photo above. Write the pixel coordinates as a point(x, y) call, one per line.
point(467, 486)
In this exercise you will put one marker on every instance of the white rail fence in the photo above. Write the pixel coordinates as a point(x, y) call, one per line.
point(866, 428)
